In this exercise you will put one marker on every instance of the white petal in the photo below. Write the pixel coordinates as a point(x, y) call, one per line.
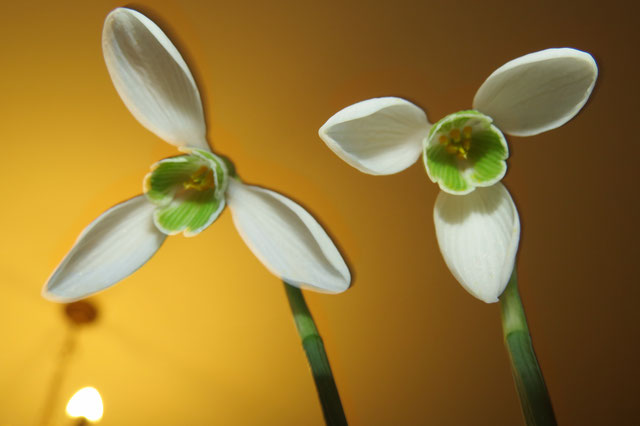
point(539, 91)
point(379, 136)
point(287, 239)
point(111, 248)
point(478, 235)
point(152, 78)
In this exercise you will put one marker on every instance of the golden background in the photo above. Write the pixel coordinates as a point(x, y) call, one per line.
point(202, 334)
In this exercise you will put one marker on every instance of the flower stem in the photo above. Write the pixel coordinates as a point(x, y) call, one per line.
point(534, 397)
point(317, 357)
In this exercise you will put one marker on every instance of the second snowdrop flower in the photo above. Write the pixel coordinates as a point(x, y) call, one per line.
point(465, 153)
point(467, 149)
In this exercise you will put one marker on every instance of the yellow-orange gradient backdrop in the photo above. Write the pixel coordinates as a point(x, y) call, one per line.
point(202, 334)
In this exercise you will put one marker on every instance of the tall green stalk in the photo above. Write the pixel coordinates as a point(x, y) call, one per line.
point(534, 397)
point(317, 357)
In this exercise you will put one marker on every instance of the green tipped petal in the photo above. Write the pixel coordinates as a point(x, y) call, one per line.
point(465, 150)
point(456, 120)
point(188, 191)
point(217, 164)
point(190, 212)
point(445, 166)
point(167, 176)
point(488, 154)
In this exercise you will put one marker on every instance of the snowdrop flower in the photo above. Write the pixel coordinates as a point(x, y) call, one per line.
point(186, 193)
point(465, 153)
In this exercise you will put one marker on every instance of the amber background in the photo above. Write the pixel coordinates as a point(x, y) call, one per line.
point(202, 334)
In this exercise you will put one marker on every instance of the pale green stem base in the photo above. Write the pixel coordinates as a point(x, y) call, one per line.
point(317, 357)
point(534, 397)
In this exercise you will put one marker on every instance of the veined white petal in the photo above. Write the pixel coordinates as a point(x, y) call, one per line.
point(287, 239)
point(110, 249)
point(379, 136)
point(539, 91)
point(152, 79)
point(478, 235)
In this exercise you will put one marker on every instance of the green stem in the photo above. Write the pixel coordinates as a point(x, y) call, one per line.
point(317, 357)
point(534, 397)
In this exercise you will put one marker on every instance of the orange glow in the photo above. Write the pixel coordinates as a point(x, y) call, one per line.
point(202, 333)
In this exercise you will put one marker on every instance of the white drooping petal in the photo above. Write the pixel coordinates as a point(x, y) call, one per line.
point(111, 248)
point(379, 136)
point(478, 235)
point(537, 92)
point(287, 239)
point(152, 79)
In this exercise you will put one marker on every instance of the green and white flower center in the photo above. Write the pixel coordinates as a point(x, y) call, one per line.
point(465, 150)
point(201, 180)
point(189, 191)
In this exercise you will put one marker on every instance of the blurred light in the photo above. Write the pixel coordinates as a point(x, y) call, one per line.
point(86, 403)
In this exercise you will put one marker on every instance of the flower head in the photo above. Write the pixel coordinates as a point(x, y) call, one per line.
point(466, 149)
point(187, 193)
point(465, 153)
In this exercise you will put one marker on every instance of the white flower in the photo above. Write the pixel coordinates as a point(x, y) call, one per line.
point(188, 192)
point(466, 152)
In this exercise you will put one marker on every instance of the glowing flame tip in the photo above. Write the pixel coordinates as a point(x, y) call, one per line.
point(86, 403)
